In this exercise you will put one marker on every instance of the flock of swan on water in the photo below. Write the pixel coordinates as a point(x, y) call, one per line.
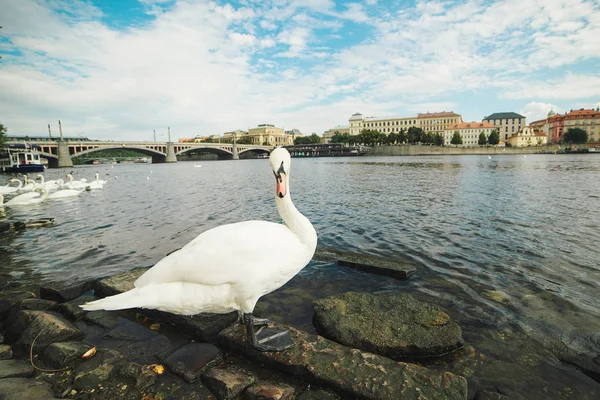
point(34, 191)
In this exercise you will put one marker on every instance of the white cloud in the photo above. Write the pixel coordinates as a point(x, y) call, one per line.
point(535, 110)
point(206, 68)
point(572, 86)
point(354, 12)
point(296, 39)
point(268, 25)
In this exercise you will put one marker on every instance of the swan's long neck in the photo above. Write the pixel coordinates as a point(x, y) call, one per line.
point(296, 222)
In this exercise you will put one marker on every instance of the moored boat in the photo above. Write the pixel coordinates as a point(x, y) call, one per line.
point(21, 158)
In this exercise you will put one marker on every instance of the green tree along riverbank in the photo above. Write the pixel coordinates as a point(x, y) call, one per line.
point(424, 150)
point(2, 135)
point(109, 154)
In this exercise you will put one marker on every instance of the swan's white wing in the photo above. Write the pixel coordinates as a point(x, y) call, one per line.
point(251, 251)
point(24, 197)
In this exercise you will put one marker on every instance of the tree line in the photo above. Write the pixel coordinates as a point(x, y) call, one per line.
point(369, 137)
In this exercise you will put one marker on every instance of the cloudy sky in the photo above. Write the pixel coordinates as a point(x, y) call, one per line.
point(117, 69)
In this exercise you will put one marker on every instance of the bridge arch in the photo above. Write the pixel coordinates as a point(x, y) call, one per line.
point(140, 149)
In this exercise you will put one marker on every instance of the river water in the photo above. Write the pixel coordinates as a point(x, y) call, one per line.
point(507, 246)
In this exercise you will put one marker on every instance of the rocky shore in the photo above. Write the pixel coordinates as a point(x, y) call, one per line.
point(367, 343)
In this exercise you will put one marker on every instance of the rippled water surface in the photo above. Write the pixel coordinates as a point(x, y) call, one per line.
point(507, 246)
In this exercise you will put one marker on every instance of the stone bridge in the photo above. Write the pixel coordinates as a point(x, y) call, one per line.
point(59, 152)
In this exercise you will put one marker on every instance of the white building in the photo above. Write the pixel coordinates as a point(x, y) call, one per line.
point(469, 132)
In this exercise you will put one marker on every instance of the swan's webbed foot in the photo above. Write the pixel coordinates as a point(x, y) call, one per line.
point(266, 339)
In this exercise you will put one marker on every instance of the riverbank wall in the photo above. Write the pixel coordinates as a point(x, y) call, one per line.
point(426, 150)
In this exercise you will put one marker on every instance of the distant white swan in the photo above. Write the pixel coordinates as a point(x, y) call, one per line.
point(65, 193)
point(96, 183)
point(197, 165)
point(28, 185)
point(25, 199)
point(26, 194)
point(7, 189)
point(206, 276)
point(72, 184)
point(51, 184)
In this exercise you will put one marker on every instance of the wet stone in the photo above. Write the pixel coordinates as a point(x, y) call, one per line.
point(138, 343)
point(29, 304)
point(71, 309)
point(348, 371)
point(269, 391)
point(45, 328)
point(489, 395)
point(191, 360)
point(6, 352)
point(227, 383)
point(97, 369)
point(15, 369)
point(22, 388)
point(118, 283)
point(103, 319)
point(7, 303)
point(317, 394)
point(377, 266)
point(203, 327)
point(132, 332)
point(61, 354)
point(404, 327)
point(144, 377)
point(61, 292)
point(582, 349)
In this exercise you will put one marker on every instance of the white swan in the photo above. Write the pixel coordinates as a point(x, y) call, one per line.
point(7, 189)
point(95, 184)
point(207, 276)
point(197, 165)
point(28, 185)
point(51, 184)
point(65, 193)
point(72, 184)
point(26, 198)
point(27, 194)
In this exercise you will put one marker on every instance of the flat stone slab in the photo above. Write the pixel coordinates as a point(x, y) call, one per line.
point(388, 323)
point(43, 327)
point(23, 388)
point(269, 391)
point(377, 266)
point(6, 352)
point(98, 369)
point(352, 372)
point(582, 349)
point(143, 377)
point(60, 354)
point(191, 360)
point(29, 304)
point(15, 369)
point(119, 283)
point(317, 394)
point(228, 382)
point(61, 292)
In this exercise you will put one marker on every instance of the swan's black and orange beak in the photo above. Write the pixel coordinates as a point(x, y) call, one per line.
point(280, 185)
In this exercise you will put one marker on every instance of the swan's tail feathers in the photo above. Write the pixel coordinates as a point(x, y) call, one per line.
point(134, 298)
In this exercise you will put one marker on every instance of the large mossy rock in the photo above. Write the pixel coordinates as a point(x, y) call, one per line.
point(350, 372)
point(42, 327)
point(392, 324)
point(582, 349)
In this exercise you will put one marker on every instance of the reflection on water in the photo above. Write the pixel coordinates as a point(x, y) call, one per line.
point(508, 245)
